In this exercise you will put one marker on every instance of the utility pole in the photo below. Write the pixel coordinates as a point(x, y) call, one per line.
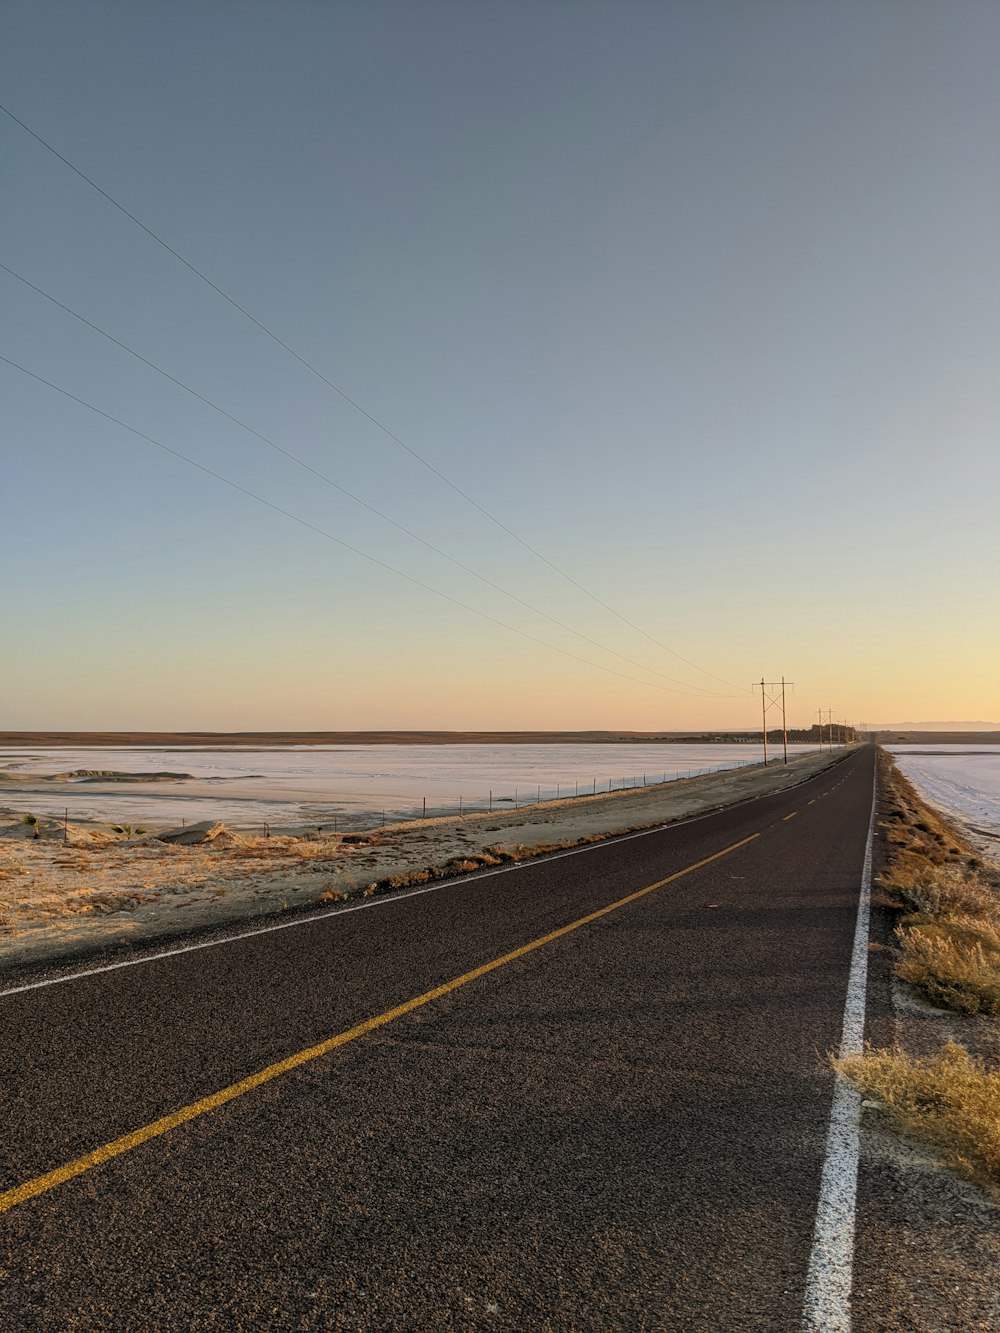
point(763, 718)
point(772, 695)
point(829, 726)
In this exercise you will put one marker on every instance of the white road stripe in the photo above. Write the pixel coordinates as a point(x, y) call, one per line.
point(827, 1305)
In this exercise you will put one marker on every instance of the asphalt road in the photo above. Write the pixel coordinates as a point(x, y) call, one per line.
point(622, 1128)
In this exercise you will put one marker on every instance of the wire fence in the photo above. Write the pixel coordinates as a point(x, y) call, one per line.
point(502, 800)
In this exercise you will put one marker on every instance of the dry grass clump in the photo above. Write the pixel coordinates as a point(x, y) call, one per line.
point(275, 848)
point(949, 934)
point(954, 962)
point(930, 889)
point(950, 1099)
point(458, 865)
point(409, 878)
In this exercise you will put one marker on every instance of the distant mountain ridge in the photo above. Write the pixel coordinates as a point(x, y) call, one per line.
point(934, 726)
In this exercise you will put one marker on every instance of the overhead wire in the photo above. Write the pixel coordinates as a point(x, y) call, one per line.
point(363, 411)
point(322, 532)
point(271, 444)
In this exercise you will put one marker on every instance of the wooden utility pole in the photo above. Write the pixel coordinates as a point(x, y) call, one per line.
point(772, 695)
point(829, 726)
point(763, 718)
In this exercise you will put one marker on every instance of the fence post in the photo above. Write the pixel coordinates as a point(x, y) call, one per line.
point(460, 814)
point(491, 801)
point(424, 815)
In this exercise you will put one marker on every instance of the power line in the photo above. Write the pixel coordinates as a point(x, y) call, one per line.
point(358, 408)
point(459, 564)
point(356, 550)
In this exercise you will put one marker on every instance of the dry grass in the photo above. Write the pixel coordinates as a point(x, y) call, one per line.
point(949, 933)
point(949, 1099)
point(333, 894)
point(495, 855)
point(949, 951)
point(954, 962)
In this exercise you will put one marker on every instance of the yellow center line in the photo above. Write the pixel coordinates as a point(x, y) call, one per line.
point(812, 802)
point(791, 816)
point(41, 1184)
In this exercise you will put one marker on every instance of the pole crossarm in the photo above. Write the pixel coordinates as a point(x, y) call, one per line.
point(772, 695)
point(765, 685)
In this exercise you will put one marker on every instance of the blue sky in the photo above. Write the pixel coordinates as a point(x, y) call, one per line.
point(698, 299)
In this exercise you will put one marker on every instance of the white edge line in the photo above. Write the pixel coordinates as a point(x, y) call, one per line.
point(384, 901)
point(827, 1303)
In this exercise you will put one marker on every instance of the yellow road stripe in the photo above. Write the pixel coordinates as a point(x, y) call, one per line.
point(791, 816)
point(41, 1184)
point(812, 802)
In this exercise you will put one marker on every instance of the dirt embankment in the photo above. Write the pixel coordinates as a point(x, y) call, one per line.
point(96, 888)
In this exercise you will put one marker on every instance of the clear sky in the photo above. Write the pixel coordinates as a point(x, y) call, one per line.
point(698, 299)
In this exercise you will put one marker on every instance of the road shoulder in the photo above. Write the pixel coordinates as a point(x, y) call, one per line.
point(928, 1248)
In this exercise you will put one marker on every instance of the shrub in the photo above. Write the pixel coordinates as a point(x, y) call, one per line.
point(949, 1099)
point(954, 962)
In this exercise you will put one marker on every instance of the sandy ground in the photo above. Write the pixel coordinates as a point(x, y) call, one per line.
point(93, 890)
